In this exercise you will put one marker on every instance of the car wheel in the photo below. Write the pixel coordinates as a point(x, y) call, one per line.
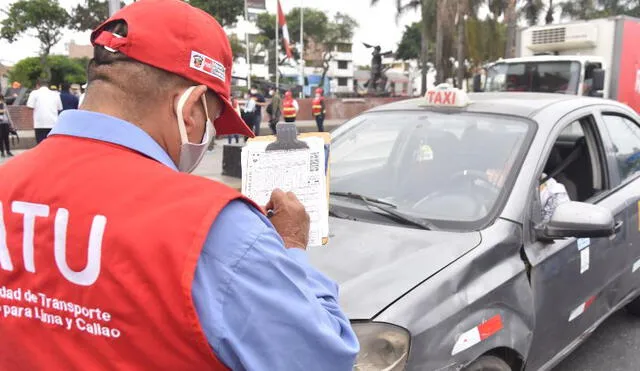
point(488, 363)
point(634, 307)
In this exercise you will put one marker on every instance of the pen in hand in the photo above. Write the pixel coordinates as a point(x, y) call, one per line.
point(270, 213)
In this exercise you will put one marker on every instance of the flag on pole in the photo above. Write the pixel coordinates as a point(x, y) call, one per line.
point(282, 23)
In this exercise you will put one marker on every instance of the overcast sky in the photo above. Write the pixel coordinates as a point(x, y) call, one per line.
point(377, 25)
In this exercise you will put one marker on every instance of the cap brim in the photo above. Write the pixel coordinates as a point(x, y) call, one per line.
point(230, 122)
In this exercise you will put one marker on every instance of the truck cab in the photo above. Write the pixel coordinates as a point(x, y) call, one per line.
point(574, 75)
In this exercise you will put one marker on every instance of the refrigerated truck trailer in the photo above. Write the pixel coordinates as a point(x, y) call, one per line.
point(599, 57)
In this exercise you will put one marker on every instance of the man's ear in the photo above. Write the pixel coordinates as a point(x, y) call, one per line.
point(192, 109)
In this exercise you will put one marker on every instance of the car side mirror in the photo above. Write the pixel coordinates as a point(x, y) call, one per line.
point(598, 80)
point(579, 220)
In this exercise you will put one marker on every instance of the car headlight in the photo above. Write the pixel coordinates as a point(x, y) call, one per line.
point(383, 347)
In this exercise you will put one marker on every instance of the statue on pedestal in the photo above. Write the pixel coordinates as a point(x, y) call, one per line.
point(378, 81)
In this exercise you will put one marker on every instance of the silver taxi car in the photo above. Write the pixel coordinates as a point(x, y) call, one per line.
point(443, 267)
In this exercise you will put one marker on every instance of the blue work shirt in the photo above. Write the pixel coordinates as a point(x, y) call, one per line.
point(69, 101)
point(262, 306)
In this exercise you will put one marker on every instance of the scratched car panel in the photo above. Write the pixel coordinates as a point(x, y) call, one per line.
point(484, 274)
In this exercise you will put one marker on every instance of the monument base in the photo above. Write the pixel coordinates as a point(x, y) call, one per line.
point(231, 165)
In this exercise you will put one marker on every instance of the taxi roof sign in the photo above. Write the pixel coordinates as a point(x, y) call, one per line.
point(446, 96)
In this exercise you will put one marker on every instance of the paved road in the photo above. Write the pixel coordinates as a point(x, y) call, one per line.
point(614, 346)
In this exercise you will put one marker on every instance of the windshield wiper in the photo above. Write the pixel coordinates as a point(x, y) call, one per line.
point(357, 196)
point(372, 202)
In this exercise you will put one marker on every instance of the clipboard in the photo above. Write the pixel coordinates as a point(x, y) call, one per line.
point(288, 139)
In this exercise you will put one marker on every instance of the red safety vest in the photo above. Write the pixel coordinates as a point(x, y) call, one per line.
point(288, 109)
point(106, 283)
point(316, 107)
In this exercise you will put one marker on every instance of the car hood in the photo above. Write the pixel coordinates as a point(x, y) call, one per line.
point(376, 264)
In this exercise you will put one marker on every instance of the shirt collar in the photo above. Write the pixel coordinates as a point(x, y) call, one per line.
point(98, 126)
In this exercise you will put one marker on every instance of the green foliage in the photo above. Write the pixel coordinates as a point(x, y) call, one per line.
point(225, 12)
point(315, 24)
point(237, 46)
point(90, 15)
point(63, 69)
point(485, 39)
point(590, 9)
point(46, 17)
point(409, 47)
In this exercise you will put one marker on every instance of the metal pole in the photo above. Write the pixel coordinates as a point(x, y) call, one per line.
point(302, 47)
point(114, 6)
point(246, 42)
point(277, 45)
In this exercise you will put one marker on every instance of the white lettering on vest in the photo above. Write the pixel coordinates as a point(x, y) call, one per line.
point(30, 211)
point(5, 258)
point(90, 273)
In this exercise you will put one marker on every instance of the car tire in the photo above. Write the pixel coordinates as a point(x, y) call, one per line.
point(633, 307)
point(488, 363)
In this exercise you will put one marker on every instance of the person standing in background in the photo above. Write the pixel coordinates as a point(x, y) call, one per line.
point(4, 129)
point(318, 109)
point(257, 113)
point(69, 101)
point(289, 107)
point(46, 105)
point(236, 107)
point(274, 109)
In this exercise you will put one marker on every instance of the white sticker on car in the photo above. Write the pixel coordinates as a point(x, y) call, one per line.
point(636, 265)
point(584, 260)
point(583, 242)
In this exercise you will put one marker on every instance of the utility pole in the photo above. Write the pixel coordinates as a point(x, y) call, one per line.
point(114, 6)
point(246, 43)
point(302, 47)
point(277, 49)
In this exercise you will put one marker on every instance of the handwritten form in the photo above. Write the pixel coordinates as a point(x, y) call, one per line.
point(299, 171)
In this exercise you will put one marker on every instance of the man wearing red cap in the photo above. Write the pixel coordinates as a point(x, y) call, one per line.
point(112, 257)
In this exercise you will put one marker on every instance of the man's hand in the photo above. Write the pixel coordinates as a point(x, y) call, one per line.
point(290, 219)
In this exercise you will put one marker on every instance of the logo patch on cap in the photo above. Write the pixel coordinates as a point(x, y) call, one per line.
point(207, 65)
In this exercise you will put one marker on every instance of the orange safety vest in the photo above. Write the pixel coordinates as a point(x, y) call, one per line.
point(288, 109)
point(316, 107)
point(100, 253)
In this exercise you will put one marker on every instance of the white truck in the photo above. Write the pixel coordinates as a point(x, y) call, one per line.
point(598, 58)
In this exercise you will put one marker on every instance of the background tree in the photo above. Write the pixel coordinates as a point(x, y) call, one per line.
point(339, 31)
point(90, 14)
point(531, 11)
point(410, 45)
point(226, 12)
point(46, 17)
point(319, 31)
point(428, 11)
point(63, 69)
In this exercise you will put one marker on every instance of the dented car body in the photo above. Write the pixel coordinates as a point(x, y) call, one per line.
point(459, 266)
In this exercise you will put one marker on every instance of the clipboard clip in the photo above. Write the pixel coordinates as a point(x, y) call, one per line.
point(286, 138)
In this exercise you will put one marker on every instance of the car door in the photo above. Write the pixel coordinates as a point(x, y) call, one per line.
point(621, 134)
point(569, 276)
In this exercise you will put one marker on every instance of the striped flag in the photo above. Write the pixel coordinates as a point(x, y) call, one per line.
point(282, 22)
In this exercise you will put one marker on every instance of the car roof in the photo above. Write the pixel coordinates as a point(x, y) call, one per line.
point(551, 58)
point(519, 104)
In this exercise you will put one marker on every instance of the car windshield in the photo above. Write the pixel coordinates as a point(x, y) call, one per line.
point(441, 167)
point(544, 77)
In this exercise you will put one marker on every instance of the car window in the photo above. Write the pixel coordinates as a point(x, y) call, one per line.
point(625, 137)
point(432, 165)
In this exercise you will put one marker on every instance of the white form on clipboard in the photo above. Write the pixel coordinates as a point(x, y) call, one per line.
point(301, 171)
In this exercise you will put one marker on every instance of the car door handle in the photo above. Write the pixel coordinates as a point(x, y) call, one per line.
point(618, 226)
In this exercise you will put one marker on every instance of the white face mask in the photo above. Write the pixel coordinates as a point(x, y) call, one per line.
point(191, 153)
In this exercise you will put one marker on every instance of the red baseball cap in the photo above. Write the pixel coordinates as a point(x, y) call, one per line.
point(174, 36)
